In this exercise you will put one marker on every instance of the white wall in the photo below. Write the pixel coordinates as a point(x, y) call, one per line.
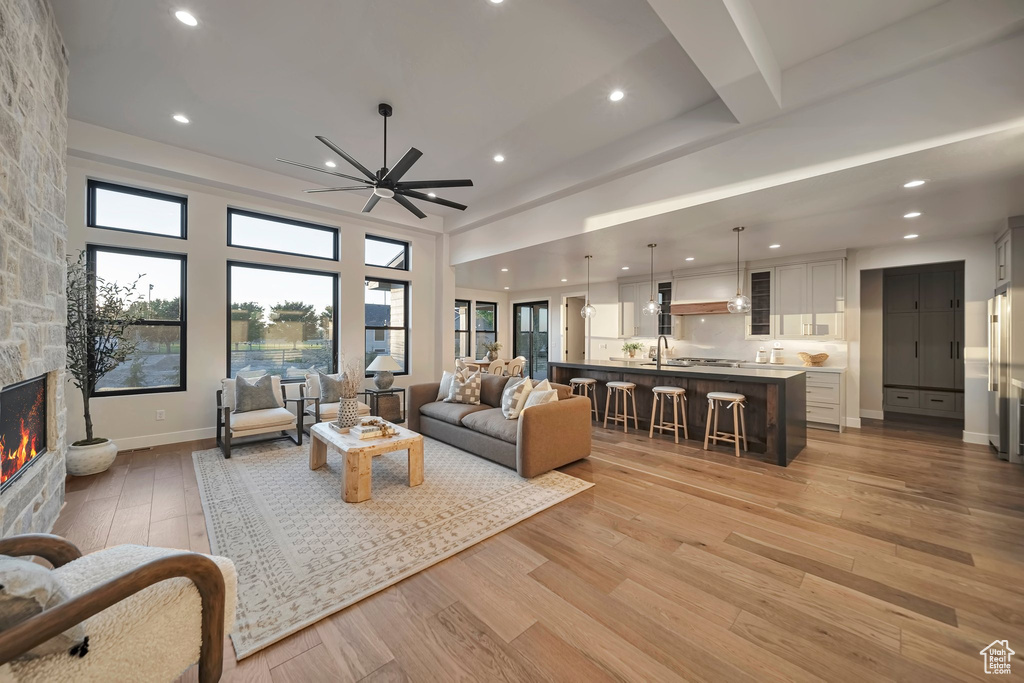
point(871, 351)
point(191, 414)
point(979, 281)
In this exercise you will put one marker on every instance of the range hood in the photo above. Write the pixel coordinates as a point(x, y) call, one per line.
point(703, 293)
point(700, 308)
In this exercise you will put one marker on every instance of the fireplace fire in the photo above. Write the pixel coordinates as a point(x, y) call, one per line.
point(22, 427)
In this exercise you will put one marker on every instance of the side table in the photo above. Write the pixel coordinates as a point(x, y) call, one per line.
point(373, 397)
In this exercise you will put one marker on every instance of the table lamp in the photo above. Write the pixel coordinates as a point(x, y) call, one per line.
point(382, 367)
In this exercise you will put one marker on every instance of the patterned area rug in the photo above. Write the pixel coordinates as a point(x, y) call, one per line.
point(302, 553)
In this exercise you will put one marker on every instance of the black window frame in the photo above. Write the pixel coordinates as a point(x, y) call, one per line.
point(284, 269)
point(90, 206)
point(181, 323)
point(407, 328)
point(476, 305)
point(665, 317)
point(390, 240)
point(335, 233)
point(468, 330)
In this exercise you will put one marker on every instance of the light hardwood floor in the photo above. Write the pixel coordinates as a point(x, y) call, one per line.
point(887, 553)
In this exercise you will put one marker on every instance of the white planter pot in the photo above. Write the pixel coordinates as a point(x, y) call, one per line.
point(85, 460)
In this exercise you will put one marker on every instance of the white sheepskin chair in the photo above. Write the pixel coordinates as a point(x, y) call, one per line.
point(153, 635)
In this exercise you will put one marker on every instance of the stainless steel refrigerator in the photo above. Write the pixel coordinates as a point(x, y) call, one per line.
point(998, 376)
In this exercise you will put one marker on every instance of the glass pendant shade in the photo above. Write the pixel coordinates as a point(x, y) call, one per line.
point(652, 307)
point(739, 304)
point(588, 311)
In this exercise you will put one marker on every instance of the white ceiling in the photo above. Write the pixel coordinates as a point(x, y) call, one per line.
point(972, 187)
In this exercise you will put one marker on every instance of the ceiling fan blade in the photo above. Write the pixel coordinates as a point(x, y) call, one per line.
point(403, 165)
point(324, 170)
point(340, 189)
point(409, 205)
point(435, 200)
point(347, 157)
point(428, 184)
point(370, 203)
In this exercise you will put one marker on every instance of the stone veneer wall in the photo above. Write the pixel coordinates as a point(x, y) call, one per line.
point(33, 241)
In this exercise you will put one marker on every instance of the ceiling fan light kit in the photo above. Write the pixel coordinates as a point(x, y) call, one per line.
point(386, 183)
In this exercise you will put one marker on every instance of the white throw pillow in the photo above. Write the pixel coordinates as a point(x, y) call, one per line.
point(513, 398)
point(543, 386)
point(538, 397)
point(446, 385)
point(465, 389)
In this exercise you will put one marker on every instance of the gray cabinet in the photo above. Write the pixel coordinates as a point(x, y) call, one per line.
point(901, 293)
point(900, 349)
point(937, 350)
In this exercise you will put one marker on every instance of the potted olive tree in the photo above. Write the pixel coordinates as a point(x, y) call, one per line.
point(100, 315)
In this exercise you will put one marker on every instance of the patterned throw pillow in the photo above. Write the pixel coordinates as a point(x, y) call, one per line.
point(465, 389)
point(446, 385)
point(258, 395)
point(28, 589)
point(537, 398)
point(513, 398)
point(330, 387)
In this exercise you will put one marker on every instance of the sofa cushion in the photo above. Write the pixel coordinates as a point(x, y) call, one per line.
point(452, 413)
point(493, 423)
point(258, 419)
point(491, 388)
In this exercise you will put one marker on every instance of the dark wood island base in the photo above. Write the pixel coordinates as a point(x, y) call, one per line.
point(776, 411)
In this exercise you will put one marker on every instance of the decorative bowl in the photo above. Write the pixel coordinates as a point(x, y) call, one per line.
point(813, 360)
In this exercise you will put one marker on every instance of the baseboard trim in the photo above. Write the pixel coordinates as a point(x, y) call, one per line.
point(853, 423)
point(167, 438)
point(976, 437)
point(873, 414)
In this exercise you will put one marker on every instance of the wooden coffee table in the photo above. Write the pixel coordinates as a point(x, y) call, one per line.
point(357, 472)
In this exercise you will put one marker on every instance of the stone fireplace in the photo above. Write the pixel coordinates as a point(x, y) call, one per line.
point(33, 244)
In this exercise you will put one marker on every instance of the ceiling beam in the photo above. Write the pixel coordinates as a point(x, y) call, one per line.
point(725, 40)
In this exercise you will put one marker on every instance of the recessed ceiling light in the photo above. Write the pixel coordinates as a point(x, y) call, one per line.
point(689, 258)
point(431, 195)
point(330, 164)
point(186, 18)
point(910, 236)
point(498, 158)
point(504, 270)
point(181, 118)
point(565, 279)
point(616, 95)
point(914, 183)
point(497, 2)
point(506, 288)
point(912, 214)
point(625, 267)
point(774, 246)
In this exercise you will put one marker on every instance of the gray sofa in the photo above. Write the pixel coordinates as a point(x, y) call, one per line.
point(543, 438)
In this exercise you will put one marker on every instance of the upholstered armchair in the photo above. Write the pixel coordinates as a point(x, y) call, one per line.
point(317, 409)
point(278, 420)
point(149, 613)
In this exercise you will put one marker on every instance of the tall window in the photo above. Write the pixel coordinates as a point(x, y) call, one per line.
point(486, 326)
point(117, 207)
point(281, 321)
point(387, 321)
point(387, 253)
point(259, 231)
point(461, 328)
point(158, 363)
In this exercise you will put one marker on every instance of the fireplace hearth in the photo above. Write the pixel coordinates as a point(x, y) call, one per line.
point(22, 427)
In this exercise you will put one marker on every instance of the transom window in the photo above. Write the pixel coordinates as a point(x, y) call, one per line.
point(387, 253)
point(118, 207)
point(387, 321)
point(250, 230)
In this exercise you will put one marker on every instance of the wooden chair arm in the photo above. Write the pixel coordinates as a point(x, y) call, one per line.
point(201, 570)
point(54, 549)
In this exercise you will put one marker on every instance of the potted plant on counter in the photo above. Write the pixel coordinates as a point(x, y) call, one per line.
point(631, 348)
point(99, 338)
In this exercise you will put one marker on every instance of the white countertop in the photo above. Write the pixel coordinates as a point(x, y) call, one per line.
point(795, 366)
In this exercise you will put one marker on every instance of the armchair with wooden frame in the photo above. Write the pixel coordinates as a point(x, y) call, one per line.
point(138, 609)
point(280, 420)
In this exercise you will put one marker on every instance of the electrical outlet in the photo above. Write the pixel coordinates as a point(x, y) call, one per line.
point(603, 347)
point(160, 415)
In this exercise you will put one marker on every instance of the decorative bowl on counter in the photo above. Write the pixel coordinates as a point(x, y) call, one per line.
point(813, 360)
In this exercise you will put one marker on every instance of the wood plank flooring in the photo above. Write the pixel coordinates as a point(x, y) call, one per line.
point(894, 552)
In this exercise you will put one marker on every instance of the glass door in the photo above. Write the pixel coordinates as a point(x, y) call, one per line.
point(530, 337)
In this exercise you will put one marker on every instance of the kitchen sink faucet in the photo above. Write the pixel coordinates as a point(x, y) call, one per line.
point(660, 339)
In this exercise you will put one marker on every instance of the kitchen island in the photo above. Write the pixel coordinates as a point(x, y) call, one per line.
point(776, 399)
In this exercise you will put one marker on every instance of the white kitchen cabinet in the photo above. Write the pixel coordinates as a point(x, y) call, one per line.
point(808, 300)
point(1003, 260)
point(632, 321)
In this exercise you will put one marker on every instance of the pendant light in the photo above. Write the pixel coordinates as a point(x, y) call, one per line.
point(588, 311)
point(739, 303)
point(652, 307)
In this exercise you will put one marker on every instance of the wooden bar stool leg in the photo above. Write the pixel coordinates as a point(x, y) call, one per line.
point(686, 429)
point(592, 394)
point(661, 416)
point(636, 420)
point(707, 429)
point(625, 411)
point(607, 399)
point(675, 416)
point(654, 411)
point(736, 426)
point(743, 426)
point(714, 433)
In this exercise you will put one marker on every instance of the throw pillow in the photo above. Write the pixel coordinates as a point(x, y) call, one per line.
point(537, 398)
point(513, 398)
point(258, 395)
point(26, 589)
point(543, 386)
point(330, 387)
point(465, 389)
point(446, 385)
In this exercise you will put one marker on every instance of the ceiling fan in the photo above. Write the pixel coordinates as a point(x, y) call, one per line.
point(387, 183)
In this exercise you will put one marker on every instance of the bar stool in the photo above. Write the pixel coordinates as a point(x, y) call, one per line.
point(627, 390)
point(739, 426)
point(661, 396)
point(586, 387)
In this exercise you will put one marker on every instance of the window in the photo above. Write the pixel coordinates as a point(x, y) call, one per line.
point(258, 231)
point(387, 321)
point(281, 321)
point(158, 363)
point(116, 207)
point(461, 328)
point(665, 300)
point(486, 326)
point(386, 253)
